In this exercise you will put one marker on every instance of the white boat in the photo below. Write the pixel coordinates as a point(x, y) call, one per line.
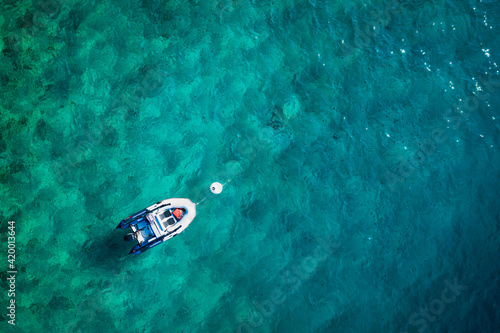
point(158, 223)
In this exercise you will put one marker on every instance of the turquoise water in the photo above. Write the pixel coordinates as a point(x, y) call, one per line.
point(361, 141)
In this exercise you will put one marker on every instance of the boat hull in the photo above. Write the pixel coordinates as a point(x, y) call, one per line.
point(154, 224)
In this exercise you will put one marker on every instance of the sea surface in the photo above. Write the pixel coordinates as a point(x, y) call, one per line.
point(358, 143)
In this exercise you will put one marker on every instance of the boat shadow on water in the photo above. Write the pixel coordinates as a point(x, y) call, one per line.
point(106, 250)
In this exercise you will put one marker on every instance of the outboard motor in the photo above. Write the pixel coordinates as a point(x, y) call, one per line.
point(129, 237)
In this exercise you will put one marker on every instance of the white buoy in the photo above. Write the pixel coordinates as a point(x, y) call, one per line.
point(216, 188)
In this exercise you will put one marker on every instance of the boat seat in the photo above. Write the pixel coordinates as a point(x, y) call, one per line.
point(167, 218)
point(166, 214)
point(169, 222)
